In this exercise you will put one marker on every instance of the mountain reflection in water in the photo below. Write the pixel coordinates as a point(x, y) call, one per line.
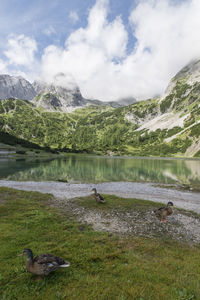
point(88, 168)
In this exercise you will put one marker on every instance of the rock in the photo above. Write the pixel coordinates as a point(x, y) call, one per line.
point(16, 87)
point(189, 74)
point(54, 97)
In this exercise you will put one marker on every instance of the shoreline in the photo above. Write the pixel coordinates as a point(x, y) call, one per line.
point(64, 154)
point(145, 191)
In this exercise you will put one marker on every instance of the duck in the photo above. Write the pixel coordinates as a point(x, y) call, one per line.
point(43, 264)
point(97, 196)
point(164, 211)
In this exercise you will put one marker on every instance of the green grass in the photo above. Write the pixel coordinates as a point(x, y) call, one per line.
point(103, 266)
point(114, 202)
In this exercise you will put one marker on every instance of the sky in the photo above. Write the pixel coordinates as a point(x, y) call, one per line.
point(111, 49)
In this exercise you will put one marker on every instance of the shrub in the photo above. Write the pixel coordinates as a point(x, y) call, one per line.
point(20, 152)
point(166, 103)
point(195, 130)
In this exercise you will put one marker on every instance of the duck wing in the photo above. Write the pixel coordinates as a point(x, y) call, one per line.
point(49, 258)
point(161, 208)
point(160, 211)
point(46, 263)
point(100, 198)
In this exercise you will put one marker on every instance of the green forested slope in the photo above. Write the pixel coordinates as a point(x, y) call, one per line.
point(107, 130)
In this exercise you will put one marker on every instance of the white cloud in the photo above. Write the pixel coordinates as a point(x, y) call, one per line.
point(171, 33)
point(167, 38)
point(49, 31)
point(89, 53)
point(3, 67)
point(21, 50)
point(96, 58)
point(73, 16)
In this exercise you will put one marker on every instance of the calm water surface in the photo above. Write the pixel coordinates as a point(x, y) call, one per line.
point(88, 168)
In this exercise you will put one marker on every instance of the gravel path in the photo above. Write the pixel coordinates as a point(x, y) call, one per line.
point(148, 191)
point(182, 225)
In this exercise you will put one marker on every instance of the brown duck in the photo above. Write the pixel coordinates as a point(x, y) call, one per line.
point(43, 264)
point(165, 211)
point(97, 196)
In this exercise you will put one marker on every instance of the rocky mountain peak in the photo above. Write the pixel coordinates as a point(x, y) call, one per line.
point(190, 74)
point(15, 87)
point(61, 94)
point(54, 96)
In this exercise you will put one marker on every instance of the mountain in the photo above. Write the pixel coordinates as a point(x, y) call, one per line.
point(187, 75)
point(15, 87)
point(126, 101)
point(176, 112)
point(54, 97)
point(163, 126)
point(51, 97)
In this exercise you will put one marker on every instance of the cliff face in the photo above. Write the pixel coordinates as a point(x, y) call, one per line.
point(190, 74)
point(16, 87)
point(53, 97)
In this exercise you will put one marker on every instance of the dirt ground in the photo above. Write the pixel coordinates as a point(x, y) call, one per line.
point(181, 225)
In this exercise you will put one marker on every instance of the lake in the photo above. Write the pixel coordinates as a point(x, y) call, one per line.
point(89, 168)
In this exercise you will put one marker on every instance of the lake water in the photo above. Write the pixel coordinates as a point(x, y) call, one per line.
point(88, 168)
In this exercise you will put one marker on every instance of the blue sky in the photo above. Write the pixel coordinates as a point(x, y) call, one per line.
point(35, 17)
point(110, 48)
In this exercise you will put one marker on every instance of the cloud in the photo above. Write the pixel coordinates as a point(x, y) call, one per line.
point(3, 67)
point(167, 37)
point(90, 53)
point(49, 31)
point(21, 50)
point(96, 56)
point(73, 16)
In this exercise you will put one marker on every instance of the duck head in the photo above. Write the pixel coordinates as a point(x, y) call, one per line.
point(28, 252)
point(94, 190)
point(170, 204)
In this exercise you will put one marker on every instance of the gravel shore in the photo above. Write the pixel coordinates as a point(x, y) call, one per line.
point(182, 199)
point(181, 226)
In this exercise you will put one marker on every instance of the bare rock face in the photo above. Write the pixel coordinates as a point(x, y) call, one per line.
point(189, 74)
point(53, 97)
point(48, 101)
point(16, 87)
point(60, 95)
point(39, 86)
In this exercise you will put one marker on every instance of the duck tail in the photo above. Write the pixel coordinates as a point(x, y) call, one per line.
point(65, 265)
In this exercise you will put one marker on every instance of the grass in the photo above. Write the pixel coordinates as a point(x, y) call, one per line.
point(185, 187)
point(114, 202)
point(103, 266)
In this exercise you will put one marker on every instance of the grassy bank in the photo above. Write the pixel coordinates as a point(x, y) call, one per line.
point(103, 266)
